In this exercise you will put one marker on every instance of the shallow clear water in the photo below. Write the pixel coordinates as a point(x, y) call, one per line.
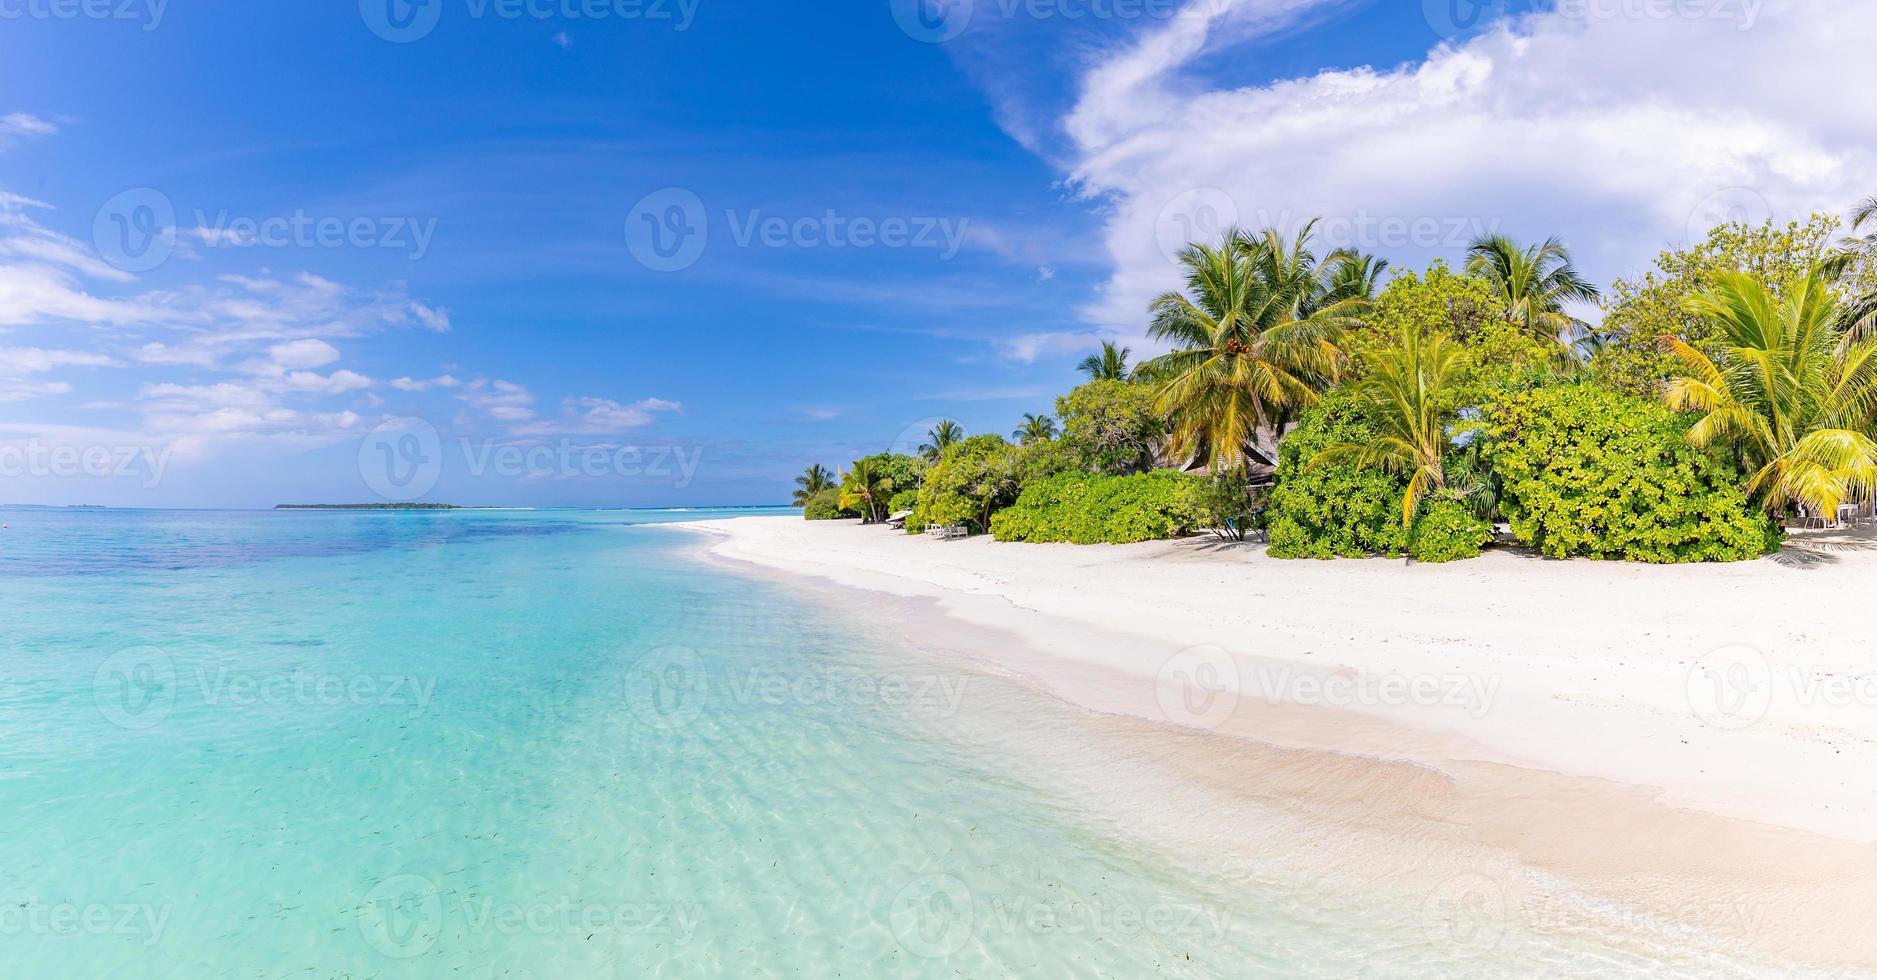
point(551, 744)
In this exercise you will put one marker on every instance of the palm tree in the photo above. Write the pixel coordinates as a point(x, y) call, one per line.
point(1254, 338)
point(1353, 275)
point(1034, 428)
point(812, 481)
point(1858, 267)
point(1534, 283)
point(1793, 394)
point(942, 436)
point(1109, 365)
point(1405, 391)
point(867, 489)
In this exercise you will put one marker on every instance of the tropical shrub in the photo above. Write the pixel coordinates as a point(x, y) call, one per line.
point(971, 479)
point(1337, 508)
point(1447, 530)
point(903, 500)
point(1592, 472)
point(824, 506)
point(1087, 508)
point(1110, 426)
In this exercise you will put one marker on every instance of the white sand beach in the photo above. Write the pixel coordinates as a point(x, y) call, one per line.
point(1675, 739)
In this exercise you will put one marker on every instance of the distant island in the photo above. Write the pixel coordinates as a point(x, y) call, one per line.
point(370, 507)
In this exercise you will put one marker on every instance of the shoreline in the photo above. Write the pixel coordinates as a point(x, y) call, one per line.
point(1400, 738)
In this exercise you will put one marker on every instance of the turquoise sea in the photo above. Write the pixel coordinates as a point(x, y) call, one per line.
point(558, 745)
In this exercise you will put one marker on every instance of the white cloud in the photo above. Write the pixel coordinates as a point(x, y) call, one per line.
point(1624, 135)
point(1026, 348)
point(414, 384)
point(25, 124)
point(503, 401)
point(599, 416)
point(304, 354)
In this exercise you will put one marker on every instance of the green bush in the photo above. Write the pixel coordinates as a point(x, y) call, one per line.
point(1087, 508)
point(1337, 510)
point(1446, 531)
point(823, 506)
point(969, 481)
point(903, 500)
point(1588, 471)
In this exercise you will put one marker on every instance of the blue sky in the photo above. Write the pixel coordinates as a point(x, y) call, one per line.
point(473, 307)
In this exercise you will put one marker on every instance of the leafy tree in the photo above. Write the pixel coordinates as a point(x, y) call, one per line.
point(1534, 283)
point(1111, 426)
point(1254, 339)
point(1035, 428)
point(1407, 395)
point(1793, 396)
point(970, 480)
point(812, 481)
point(1109, 365)
point(1639, 313)
point(1499, 353)
point(942, 436)
point(1591, 472)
